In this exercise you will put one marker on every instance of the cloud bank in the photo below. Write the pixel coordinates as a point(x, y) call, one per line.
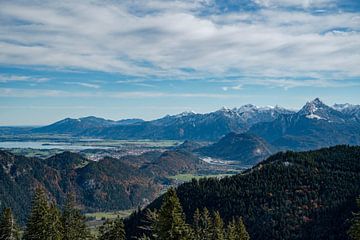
point(182, 39)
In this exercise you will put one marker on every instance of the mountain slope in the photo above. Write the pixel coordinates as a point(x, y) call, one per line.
point(306, 195)
point(243, 148)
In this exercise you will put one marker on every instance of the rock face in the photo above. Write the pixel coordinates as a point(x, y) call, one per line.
point(243, 148)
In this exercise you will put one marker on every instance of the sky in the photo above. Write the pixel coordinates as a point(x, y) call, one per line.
point(145, 59)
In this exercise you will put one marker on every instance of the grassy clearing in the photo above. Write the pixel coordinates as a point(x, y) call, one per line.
point(109, 215)
point(188, 177)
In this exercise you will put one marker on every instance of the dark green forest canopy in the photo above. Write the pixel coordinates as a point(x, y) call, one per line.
point(291, 195)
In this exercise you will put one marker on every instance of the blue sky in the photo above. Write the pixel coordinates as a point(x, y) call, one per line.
point(146, 59)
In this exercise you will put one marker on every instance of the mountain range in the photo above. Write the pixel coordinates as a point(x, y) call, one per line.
point(315, 125)
point(285, 124)
point(187, 125)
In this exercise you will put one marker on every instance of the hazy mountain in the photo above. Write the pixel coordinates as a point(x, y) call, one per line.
point(244, 148)
point(304, 196)
point(77, 126)
point(187, 125)
point(315, 125)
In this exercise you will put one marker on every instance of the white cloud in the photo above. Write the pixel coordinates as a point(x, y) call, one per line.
point(296, 3)
point(38, 93)
point(88, 85)
point(5, 78)
point(158, 38)
point(237, 87)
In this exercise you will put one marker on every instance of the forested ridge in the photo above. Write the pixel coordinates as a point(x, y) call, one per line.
point(306, 195)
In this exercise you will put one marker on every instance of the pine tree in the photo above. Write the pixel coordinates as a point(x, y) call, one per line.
point(37, 225)
point(150, 224)
point(54, 223)
point(8, 228)
point(241, 230)
point(231, 230)
point(354, 231)
point(206, 225)
point(73, 222)
point(171, 224)
point(218, 233)
point(112, 230)
point(196, 224)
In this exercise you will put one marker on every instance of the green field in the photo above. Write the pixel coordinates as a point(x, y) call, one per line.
point(95, 220)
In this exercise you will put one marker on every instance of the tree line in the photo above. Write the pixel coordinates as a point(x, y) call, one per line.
point(48, 222)
point(169, 224)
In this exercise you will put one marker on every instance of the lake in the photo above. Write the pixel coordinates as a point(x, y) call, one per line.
point(48, 145)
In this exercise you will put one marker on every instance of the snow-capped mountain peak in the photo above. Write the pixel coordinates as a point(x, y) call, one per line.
point(318, 110)
point(313, 108)
point(341, 106)
point(185, 114)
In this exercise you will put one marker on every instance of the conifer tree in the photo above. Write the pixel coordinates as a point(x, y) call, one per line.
point(354, 231)
point(54, 223)
point(37, 225)
point(112, 230)
point(218, 233)
point(171, 223)
point(196, 224)
point(150, 224)
point(73, 222)
point(206, 225)
point(8, 228)
point(241, 230)
point(231, 230)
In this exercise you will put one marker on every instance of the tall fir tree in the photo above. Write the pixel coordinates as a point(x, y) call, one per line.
point(241, 230)
point(354, 231)
point(150, 224)
point(73, 222)
point(196, 224)
point(206, 225)
point(37, 225)
point(55, 226)
point(231, 233)
point(171, 223)
point(218, 233)
point(112, 230)
point(8, 228)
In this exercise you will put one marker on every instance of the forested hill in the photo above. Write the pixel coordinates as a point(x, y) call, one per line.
point(106, 185)
point(306, 195)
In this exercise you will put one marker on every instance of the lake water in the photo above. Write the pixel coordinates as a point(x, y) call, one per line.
point(47, 145)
